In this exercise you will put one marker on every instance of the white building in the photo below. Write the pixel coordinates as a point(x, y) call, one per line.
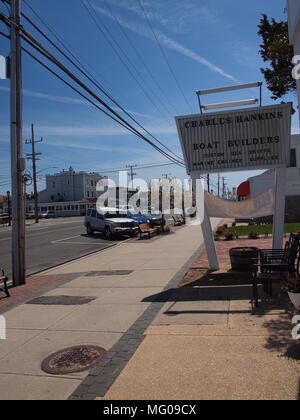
point(261, 183)
point(70, 186)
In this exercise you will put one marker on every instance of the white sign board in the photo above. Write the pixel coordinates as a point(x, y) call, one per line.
point(2, 67)
point(245, 139)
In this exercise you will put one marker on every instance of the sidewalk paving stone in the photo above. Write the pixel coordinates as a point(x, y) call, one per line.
point(120, 326)
point(27, 387)
point(27, 359)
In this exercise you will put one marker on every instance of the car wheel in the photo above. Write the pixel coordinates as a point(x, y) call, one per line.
point(108, 234)
point(89, 230)
point(133, 234)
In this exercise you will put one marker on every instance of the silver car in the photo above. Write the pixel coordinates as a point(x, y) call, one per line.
point(109, 221)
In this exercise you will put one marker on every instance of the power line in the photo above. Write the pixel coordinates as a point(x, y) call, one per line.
point(59, 39)
point(163, 53)
point(96, 83)
point(102, 110)
point(116, 19)
point(36, 45)
point(42, 50)
point(91, 11)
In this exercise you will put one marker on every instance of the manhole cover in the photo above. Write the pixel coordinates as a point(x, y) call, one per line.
point(73, 359)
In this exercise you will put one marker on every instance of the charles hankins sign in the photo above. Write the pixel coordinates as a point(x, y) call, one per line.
point(252, 138)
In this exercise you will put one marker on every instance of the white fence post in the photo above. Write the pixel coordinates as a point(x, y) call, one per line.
point(279, 211)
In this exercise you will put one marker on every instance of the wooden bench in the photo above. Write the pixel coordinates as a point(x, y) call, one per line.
point(145, 229)
point(4, 279)
point(178, 220)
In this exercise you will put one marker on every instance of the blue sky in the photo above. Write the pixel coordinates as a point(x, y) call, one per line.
point(208, 43)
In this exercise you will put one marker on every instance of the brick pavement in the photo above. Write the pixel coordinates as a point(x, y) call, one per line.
point(223, 248)
point(35, 286)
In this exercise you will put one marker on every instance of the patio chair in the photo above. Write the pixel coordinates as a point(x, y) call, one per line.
point(4, 279)
point(274, 265)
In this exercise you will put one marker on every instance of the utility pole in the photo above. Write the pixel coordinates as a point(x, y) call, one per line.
point(17, 159)
point(33, 157)
point(208, 183)
point(132, 174)
point(219, 181)
point(224, 188)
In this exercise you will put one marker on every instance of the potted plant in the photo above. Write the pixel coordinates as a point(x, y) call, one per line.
point(221, 230)
point(253, 235)
point(229, 236)
point(293, 286)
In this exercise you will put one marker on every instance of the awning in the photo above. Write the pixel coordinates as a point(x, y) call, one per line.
point(260, 206)
point(244, 189)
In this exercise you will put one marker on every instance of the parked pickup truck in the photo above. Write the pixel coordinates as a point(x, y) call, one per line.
point(111, 222)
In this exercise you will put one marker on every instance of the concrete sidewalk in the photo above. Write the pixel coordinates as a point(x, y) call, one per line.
point(206, 343)
point(122, 308)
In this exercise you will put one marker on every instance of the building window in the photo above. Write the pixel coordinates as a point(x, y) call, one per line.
point(293, 161)
point(53, 184)
point(88, 194)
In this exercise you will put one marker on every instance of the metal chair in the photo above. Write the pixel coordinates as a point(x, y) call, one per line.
point(274, 264)
point(4, 280)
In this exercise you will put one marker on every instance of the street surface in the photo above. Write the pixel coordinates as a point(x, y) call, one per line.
point(52, 242)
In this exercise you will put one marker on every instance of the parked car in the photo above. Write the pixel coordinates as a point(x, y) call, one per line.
point(138, 217)
point(155, 219)
point(30, 215)
point(110, 222)
point(4, 218)
point(47, 215)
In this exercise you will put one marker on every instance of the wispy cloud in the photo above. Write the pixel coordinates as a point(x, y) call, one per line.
point(169, 43)
point(176, 17)
point(73, 101)
point(86, 131)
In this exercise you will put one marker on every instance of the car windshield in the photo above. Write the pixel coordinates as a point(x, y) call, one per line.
point(114, 216)
point(130, 214)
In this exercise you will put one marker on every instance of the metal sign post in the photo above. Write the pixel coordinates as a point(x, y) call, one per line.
point(279, 212)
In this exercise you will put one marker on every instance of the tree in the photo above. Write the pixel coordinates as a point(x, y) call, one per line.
point(277, 51)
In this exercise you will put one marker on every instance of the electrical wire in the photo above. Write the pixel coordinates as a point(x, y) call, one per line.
point(91, 11)
point(163, 53)
point(116, 19)
point(96, 83)
point(36, 45)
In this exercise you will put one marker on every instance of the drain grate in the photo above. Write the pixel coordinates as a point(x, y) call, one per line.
point(109, 273)
point(73, 359)
point(62, 300)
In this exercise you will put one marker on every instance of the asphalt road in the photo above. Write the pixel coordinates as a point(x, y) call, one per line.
point(52, 242)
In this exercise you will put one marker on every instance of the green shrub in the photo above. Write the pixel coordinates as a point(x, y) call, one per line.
point(253, 235)
point(229, 236)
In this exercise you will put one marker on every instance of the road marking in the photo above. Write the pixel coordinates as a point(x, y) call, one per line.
point(78, 243)
point(40, 233)
point(65, 239)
